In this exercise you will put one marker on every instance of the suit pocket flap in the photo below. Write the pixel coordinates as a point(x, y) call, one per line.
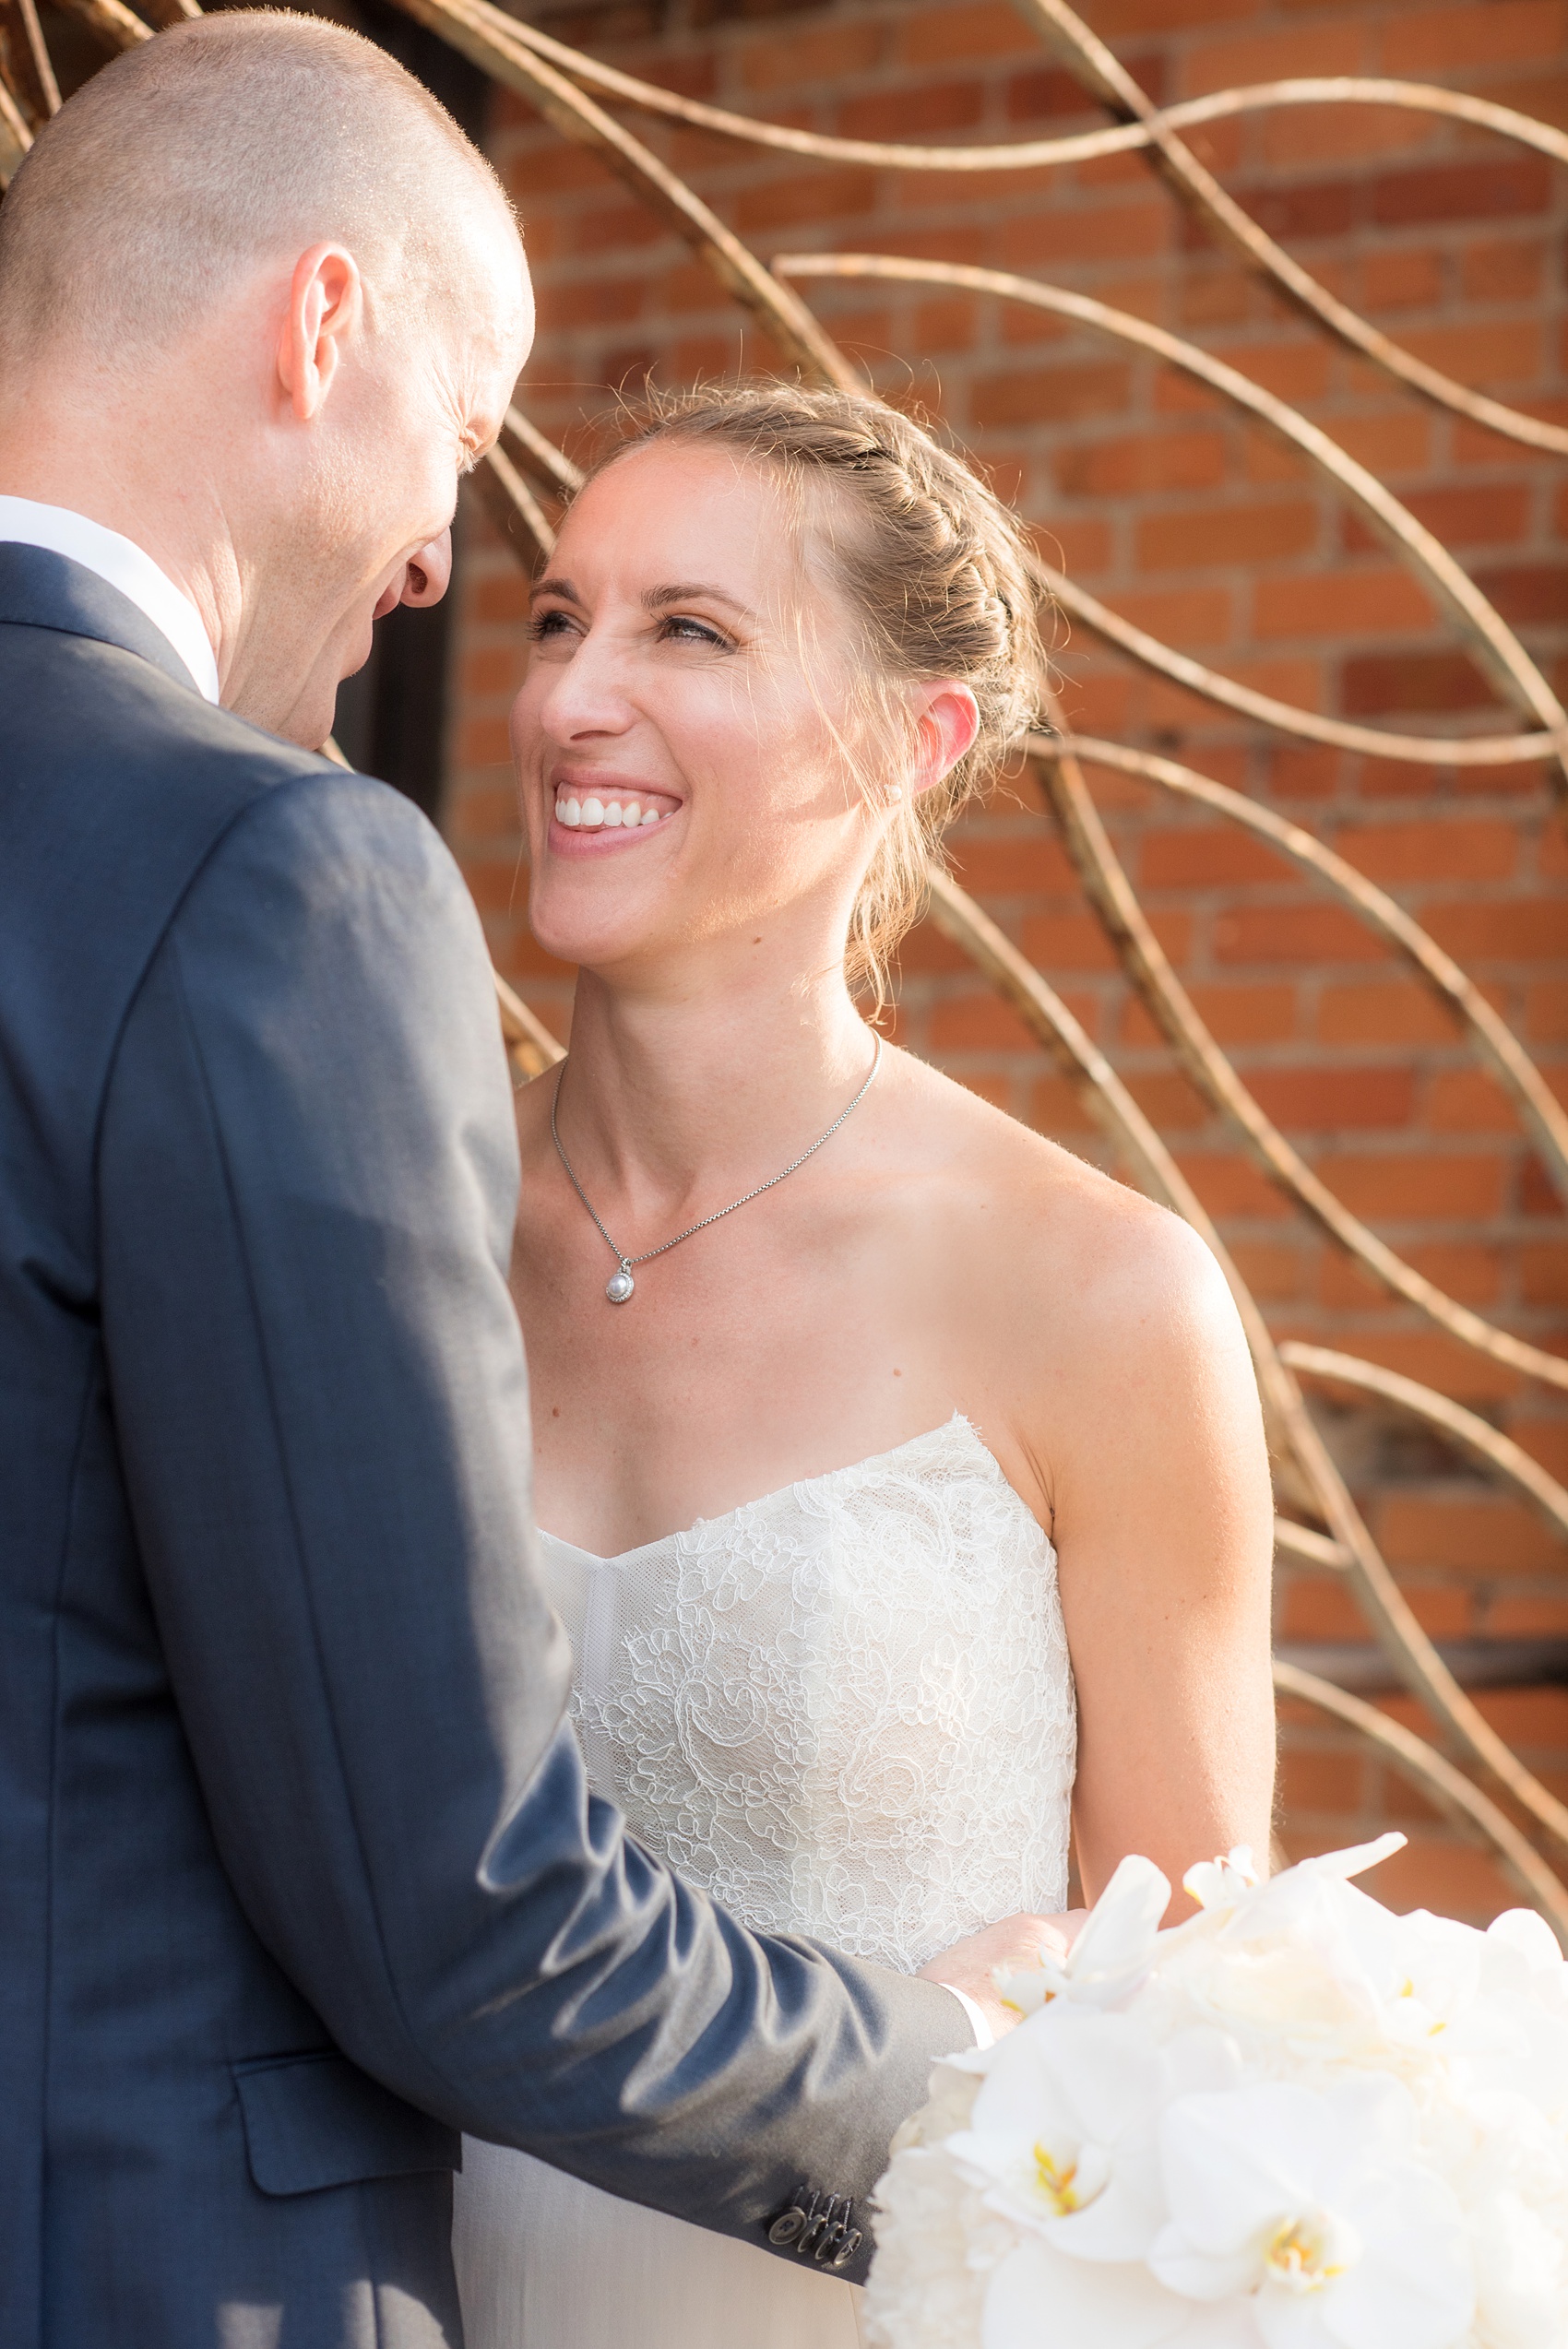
point(319, 2120)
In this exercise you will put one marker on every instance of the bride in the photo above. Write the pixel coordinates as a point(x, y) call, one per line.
point(904, 1477)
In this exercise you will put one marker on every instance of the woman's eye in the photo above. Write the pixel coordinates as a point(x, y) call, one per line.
point(549, 623)
point(682, 629)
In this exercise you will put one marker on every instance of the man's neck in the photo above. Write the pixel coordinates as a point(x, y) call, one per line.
point(176, 521)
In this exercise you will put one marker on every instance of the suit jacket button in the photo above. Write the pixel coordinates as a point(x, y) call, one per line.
point(787, 2227)
point(830, 2243)
point(815, 2220)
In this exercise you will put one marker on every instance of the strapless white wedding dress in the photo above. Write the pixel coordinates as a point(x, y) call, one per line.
point(844, 1710)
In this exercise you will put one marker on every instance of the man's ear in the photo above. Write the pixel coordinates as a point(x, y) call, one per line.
point(325, 303)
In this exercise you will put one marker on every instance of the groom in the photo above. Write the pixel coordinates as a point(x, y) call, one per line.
point(299, 1871)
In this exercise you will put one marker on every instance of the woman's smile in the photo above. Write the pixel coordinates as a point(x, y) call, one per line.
point(594, 811)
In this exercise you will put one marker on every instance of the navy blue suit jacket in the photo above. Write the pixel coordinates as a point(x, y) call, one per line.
point(299, 1873)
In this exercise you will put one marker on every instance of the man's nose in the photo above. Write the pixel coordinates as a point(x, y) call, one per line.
point(429, 572)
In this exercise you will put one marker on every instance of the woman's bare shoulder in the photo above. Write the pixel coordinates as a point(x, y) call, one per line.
point(1051, 1239)
point(1063, 1199)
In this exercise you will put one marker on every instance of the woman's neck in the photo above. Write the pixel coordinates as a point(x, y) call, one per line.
point(671, 1097)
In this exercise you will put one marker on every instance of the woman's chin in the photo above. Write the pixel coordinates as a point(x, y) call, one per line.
point(591, 937)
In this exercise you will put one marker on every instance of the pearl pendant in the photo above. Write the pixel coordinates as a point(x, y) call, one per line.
point(619, 1286)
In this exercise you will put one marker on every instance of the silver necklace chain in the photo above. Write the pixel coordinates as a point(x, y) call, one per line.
point(620, 1285)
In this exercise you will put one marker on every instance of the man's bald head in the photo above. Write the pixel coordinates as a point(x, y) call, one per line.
point(261, 306)
point(229, 141)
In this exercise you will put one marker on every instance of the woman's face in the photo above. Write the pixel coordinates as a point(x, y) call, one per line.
point(681, 735)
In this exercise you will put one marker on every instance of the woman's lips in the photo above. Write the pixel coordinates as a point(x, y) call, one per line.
point(590, 817)
point(609, 817)
point(610, 807)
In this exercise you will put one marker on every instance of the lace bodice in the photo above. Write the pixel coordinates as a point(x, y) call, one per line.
point(844, 1710)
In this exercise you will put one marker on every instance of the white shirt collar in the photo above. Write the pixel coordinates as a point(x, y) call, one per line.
point(125, 565)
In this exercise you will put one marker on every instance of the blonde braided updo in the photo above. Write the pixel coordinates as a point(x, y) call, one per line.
point(932, 565)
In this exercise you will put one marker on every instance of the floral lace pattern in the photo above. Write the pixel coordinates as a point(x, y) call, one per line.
point(844, 1710)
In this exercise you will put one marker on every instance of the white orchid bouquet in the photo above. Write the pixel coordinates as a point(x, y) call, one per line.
point(1296, 2121)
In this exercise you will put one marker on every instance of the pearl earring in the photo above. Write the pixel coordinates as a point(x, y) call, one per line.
point(895, 793)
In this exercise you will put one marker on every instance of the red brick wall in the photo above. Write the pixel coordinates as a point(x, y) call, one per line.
point(1193, 525)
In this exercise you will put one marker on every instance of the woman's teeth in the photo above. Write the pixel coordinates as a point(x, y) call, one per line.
point(605, 814)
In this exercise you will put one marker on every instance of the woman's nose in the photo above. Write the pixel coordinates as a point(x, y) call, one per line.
point(586, 695)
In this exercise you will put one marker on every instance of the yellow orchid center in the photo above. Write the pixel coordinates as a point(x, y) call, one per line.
point(1298, 2258)
point(1407, 1990)
point(1056, 2182)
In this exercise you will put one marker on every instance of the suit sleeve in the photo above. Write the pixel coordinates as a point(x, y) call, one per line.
point(307, 1183)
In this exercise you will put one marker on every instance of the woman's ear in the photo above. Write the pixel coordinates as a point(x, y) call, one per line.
point(946, 722)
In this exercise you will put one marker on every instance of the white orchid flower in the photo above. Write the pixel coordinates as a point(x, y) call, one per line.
point(1521, 2262)
point(1353, 1859)
point(1040, 2299)
point(1425, 1972)
point(1312, 2204)
point(1295, 2121)
point(937, 2246)
point(1508, 2164)
point(1061, 2138)
point(1113, 1952)
point(1288, 1958)
point(1438, 1976)
point(1516, 2036)
point(1511, 2042)
point(1524, 1949)
point(1286, 1903)
point(1223, 1884)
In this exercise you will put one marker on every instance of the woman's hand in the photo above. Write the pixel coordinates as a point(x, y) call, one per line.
point(1008, 1947)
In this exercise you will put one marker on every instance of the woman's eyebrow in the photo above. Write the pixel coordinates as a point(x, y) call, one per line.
point(655, 599)
point(562, 587)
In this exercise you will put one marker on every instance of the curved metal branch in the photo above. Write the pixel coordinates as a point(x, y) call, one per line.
point(1497, 1453)
point(1369, 742)
point(1103, 75)
point(115, 23)
point(25, 65)
point(509, 498)
point(1082, 147)
point(537, 455)
point(1146, 965)
point(1085, 1067)
point(493, 40)
point(1494, 641)
point(1542, 1114)
point(530, 1048)
point(1308, 1548)
point(1436, 1778)
point(14, 136)
point(1360, 90)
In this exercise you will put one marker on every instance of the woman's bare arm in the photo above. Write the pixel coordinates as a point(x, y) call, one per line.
point(1163, 1525)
